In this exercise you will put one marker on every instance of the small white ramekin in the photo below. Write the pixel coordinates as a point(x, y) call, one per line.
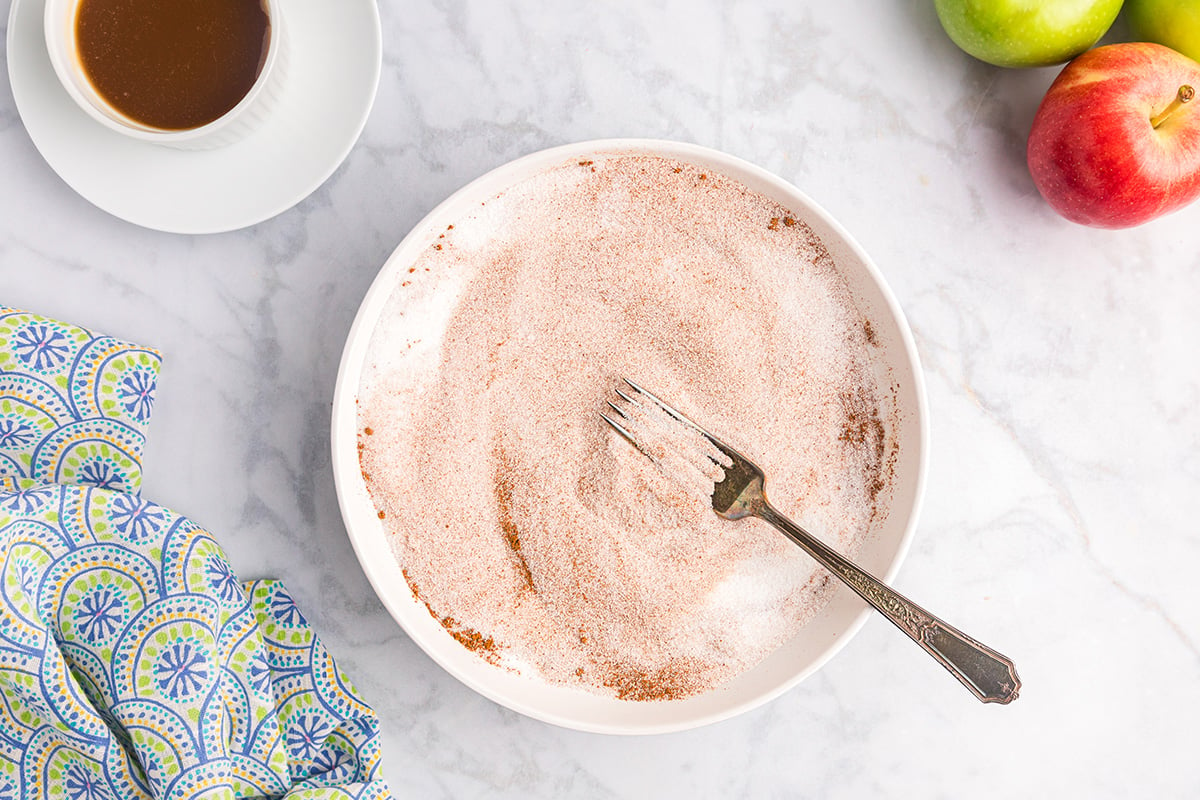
point(235, 124)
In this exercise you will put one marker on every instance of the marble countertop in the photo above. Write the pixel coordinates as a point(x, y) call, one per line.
point(1060, 519)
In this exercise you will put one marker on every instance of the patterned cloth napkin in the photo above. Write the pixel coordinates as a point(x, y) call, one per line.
point(133, 663)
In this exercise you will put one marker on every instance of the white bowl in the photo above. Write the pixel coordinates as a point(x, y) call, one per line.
point(801, 656)
point(233, 125)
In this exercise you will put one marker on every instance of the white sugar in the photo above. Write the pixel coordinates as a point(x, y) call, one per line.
point(540, 538)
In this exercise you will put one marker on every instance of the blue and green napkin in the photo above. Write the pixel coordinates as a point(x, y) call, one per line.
point(133, 662)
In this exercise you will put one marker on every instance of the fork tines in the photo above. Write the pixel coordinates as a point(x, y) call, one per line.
point(682, 449)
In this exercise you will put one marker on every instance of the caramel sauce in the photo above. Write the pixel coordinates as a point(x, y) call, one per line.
point(172, 64)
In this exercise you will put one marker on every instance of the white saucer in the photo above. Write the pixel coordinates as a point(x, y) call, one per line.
point(333, 72)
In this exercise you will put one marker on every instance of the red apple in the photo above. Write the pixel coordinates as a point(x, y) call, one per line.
point(1116, 141)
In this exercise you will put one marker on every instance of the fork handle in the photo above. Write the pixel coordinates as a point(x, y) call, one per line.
point(990, 676)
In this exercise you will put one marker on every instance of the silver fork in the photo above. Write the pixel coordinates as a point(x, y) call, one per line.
point(738, 493)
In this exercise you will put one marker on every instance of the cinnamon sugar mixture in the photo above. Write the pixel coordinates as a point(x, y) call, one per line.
point(541, 540)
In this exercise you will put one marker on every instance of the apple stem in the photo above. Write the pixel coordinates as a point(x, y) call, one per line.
point(1185, 94)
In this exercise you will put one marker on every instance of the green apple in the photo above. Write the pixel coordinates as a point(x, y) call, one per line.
point(1175, 23)
point(1027, 33)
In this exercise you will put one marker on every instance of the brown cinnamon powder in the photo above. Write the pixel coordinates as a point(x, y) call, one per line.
point(537, 537)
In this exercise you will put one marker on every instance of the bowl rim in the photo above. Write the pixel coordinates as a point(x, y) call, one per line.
point(344, 425)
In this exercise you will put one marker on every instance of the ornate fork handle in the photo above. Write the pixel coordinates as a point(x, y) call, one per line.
point(990, 676)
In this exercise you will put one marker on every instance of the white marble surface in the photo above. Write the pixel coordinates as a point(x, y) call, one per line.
point(1061, 518)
